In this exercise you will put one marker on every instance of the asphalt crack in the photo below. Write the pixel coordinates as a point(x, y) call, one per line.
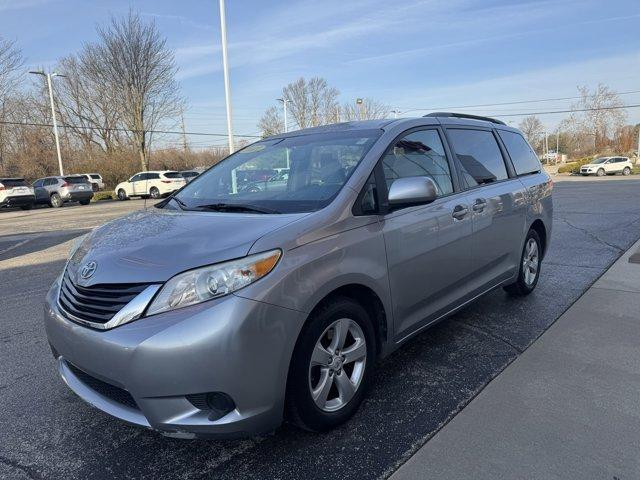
point(592, 235)
point(489, 333)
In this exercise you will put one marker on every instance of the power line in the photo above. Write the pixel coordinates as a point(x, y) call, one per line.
point(520, 102)
point(568, 111)
point(120, 129)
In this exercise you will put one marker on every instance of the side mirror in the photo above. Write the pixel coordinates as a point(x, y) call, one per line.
point(408, 191)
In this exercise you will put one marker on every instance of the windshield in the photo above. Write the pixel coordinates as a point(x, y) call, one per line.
point(600, 160)
point(290, 175)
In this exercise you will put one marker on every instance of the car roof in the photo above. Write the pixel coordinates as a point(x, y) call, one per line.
point(444, 118)
point(11, 178)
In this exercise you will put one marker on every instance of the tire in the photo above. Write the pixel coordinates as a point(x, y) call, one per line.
point(26, 207)
point(601, 172)
point(626, 172)
point(525, 284)
point(122, 195)
point(342, 399)
point(85, 202)
point(55, 200)
point(154, 193)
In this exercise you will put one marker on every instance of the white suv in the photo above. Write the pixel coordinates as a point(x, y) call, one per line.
point(150, 184)
point(607, 166)
point(95, 179)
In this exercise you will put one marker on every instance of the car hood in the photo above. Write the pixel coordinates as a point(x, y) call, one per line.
point(153, 245)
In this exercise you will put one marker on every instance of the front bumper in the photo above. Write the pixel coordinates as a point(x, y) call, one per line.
point(18, 201)
point(233, 345)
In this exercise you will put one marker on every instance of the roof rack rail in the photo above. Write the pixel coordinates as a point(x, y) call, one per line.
point(464, 115)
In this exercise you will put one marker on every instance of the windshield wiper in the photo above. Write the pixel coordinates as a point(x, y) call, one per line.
point(234, 207)
point(183, 205)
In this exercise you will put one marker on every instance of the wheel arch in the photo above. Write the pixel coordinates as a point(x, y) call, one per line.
point(541, 230)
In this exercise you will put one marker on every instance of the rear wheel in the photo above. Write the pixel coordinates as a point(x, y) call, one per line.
point(600, 172)
point(154, 192)
point(626, 171)
point(332, 366)
point(55, 201)
point(529, 272)
point(122, 195)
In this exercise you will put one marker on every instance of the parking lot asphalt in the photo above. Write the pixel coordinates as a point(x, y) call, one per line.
point(47, 432)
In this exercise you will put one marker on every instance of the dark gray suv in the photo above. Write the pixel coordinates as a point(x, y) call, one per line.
point(224, 309)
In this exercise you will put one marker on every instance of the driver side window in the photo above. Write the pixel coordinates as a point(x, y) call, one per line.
point(419, 154)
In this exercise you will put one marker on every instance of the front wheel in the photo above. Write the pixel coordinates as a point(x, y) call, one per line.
point(331, 367)
point(601, 172)
point(529, 272)
point(626, 171)
point(122, 195)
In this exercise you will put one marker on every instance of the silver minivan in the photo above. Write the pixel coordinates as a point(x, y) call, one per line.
point(225, 309)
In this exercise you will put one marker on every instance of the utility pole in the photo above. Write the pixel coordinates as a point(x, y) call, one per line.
point(53, 113)
point(185, 147)
point(284, 106)
point(225, 67)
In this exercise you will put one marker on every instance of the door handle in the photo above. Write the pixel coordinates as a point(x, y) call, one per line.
point(459, 212)
point(479, 204)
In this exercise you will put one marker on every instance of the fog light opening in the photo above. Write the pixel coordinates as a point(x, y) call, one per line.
point(220, 404)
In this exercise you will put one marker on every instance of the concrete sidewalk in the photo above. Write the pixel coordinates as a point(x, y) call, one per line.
point(568, 407)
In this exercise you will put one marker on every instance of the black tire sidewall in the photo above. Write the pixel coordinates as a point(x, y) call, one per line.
point(300, 405)
point(523, 285)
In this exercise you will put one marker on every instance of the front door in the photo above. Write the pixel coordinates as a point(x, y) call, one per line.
point(428, 247)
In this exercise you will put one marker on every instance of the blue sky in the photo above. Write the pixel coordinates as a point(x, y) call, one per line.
point(409, 54)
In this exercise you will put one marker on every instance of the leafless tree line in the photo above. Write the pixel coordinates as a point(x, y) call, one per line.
point(111, 97)
point(598, 125)
point(311, 103)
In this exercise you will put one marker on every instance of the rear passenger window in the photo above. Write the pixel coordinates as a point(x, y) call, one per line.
point(419, 154)
point(523, 157)
point(153, 176)
point(479, 155)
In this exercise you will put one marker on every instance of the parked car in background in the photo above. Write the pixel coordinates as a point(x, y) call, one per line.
point(223, 310)
point(154, 184)
point(55, 191)
point(189, 175)
point(95, 179)
point(16, 192)
point(607, 166)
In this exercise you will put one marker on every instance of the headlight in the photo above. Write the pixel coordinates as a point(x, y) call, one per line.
point(214, 281)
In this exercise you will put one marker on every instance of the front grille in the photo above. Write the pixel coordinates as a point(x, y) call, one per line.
point(97, 303)
point(105, 389)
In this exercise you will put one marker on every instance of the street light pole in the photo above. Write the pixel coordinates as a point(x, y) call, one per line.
point(284, 105)
point(360, 104)
point(225, 67)
point(53, 115)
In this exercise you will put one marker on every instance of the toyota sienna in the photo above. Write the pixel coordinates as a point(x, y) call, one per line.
point(226, 309)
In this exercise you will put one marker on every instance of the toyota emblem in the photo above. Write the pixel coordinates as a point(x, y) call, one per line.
point(88, 270)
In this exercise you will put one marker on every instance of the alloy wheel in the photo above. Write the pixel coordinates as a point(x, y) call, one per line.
point(337, 365)
point(530, 262)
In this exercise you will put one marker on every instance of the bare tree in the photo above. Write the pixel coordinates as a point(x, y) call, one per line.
point(368, 109)
point(271, 122)
point(139, 70)
point(10, 63)
point(86, 103)
point(531, 127)
point(311, 102)
point(601, 115)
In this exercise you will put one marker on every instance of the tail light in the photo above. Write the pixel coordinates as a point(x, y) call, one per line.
point(2, 187)
point(65, 184)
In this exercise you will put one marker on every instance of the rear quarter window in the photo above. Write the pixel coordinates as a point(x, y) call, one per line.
point(523, 157)
point(173, 175)
point(75, 180)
